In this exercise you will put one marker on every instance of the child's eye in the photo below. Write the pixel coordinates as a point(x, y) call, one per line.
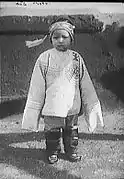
point(65, 37)
point(56, 37)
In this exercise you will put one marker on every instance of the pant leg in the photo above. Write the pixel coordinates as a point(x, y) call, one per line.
point(53, 122)
point(52, 131)
point(70, 134)
point(53, 139)
point(71, 120)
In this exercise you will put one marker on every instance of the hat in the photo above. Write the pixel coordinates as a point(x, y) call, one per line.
point(62, 25)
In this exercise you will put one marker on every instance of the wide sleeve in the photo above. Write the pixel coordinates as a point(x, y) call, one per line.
point(90, 104)
point(35, 99)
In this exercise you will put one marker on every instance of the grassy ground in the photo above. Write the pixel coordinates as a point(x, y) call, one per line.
point(22, 153)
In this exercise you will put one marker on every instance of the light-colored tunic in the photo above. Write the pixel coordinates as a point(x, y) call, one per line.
point(60, 86)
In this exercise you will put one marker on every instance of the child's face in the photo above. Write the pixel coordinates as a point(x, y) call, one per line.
point(61, 40)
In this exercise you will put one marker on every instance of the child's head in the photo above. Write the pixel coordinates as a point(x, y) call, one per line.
point(61, 34)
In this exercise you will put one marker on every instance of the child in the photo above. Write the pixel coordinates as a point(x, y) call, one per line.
point(60, 90)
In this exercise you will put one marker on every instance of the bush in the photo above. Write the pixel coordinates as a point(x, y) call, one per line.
point(114, 27)
point(83, 23)
point(23, 24)
point(40, 24)
point(120, 41)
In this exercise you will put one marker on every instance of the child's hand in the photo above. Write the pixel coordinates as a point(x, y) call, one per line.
point(94, 116)
point(99, 115)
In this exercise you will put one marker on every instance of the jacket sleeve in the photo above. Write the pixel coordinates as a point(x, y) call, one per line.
point(35, 99)
point(90, 104)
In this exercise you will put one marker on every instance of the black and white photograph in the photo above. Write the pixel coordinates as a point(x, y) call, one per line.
point(62, 90)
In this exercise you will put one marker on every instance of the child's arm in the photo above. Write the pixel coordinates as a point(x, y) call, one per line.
point(35, 100)
point(90, 102)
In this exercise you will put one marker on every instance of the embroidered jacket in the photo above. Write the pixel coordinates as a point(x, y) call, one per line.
point(60, 86)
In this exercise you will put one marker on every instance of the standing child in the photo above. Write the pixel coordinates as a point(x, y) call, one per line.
point(61, 90)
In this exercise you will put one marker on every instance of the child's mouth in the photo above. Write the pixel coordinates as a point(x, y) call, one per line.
point(60, 45)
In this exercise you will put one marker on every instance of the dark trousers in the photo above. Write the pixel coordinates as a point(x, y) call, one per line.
point(69, 134)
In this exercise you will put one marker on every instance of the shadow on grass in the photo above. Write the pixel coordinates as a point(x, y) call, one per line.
point(9, 138)
point(31, 161)
point(11, 107)
point(105, 136)
point(114, 81)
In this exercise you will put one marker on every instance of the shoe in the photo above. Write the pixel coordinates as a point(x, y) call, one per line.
point(52, 158)
point(74, 157)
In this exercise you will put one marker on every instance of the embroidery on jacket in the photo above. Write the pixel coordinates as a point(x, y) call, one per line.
point(76, 56)
point(74, 70)
point(76, 65)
